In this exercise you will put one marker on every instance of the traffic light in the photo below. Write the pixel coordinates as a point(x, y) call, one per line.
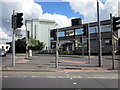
point(85, 30)
point(18, 20)
point(12, 21)
point(116, 23)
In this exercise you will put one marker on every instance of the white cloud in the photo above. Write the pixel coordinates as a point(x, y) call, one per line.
point(4, 36)
point(89, 8)
point(62, 21)
point(30, 10)
point(33, 10)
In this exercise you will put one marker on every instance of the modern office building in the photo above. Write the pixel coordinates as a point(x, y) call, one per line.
point(74, 41)
point(40, 30)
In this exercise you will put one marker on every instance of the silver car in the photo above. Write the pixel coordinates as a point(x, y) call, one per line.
point(2, 52)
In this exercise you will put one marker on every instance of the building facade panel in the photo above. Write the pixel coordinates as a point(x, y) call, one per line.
point(40, 30)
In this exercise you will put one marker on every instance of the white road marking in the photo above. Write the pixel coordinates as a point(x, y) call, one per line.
point(74, 83)
point(5, 76)
point(60, 76)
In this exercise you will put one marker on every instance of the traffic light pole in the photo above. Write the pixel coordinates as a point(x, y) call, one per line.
point(13, 41)
point(99, 32)
point(113, 44)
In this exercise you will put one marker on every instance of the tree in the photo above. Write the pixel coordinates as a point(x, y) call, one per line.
point(36, 44)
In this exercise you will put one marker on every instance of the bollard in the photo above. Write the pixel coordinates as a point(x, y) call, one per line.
point(30, 52)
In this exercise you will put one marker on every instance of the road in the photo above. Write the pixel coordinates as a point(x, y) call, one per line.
point(59, 80)
point(74, 73)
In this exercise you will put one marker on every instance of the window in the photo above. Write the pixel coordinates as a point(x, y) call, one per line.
point(78, 31)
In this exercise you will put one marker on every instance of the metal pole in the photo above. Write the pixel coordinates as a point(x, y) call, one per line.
point(57, 54)
point(113, 47)
point(27, 40)
point(35, 34)
point(27, 44)
point(99, 32)
point(13, 42)
point(89, 45)
point(82, 47)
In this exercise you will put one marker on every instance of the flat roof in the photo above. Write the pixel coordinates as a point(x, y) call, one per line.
point(41, 20)
point(92, 24)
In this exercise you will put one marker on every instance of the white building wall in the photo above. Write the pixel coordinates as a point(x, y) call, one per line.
point(41, 29)
point(45, 33)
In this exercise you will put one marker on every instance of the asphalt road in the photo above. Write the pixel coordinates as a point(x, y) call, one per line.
point(59, 80)
point(34, 82)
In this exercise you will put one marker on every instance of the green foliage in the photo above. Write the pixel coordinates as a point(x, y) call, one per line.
point(36, 44)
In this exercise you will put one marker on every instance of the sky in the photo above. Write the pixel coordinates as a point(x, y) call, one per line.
point(61, 11)
point(62, 8)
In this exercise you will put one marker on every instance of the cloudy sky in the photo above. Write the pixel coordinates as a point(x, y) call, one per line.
point(62, 11)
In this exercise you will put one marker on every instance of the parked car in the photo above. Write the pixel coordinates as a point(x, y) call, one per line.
point(2, 52)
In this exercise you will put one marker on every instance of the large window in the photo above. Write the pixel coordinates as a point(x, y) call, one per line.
point(61, 34)
point(78, 31)
point(70, 33)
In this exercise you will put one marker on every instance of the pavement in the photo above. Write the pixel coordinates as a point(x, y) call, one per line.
point(67, 63)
